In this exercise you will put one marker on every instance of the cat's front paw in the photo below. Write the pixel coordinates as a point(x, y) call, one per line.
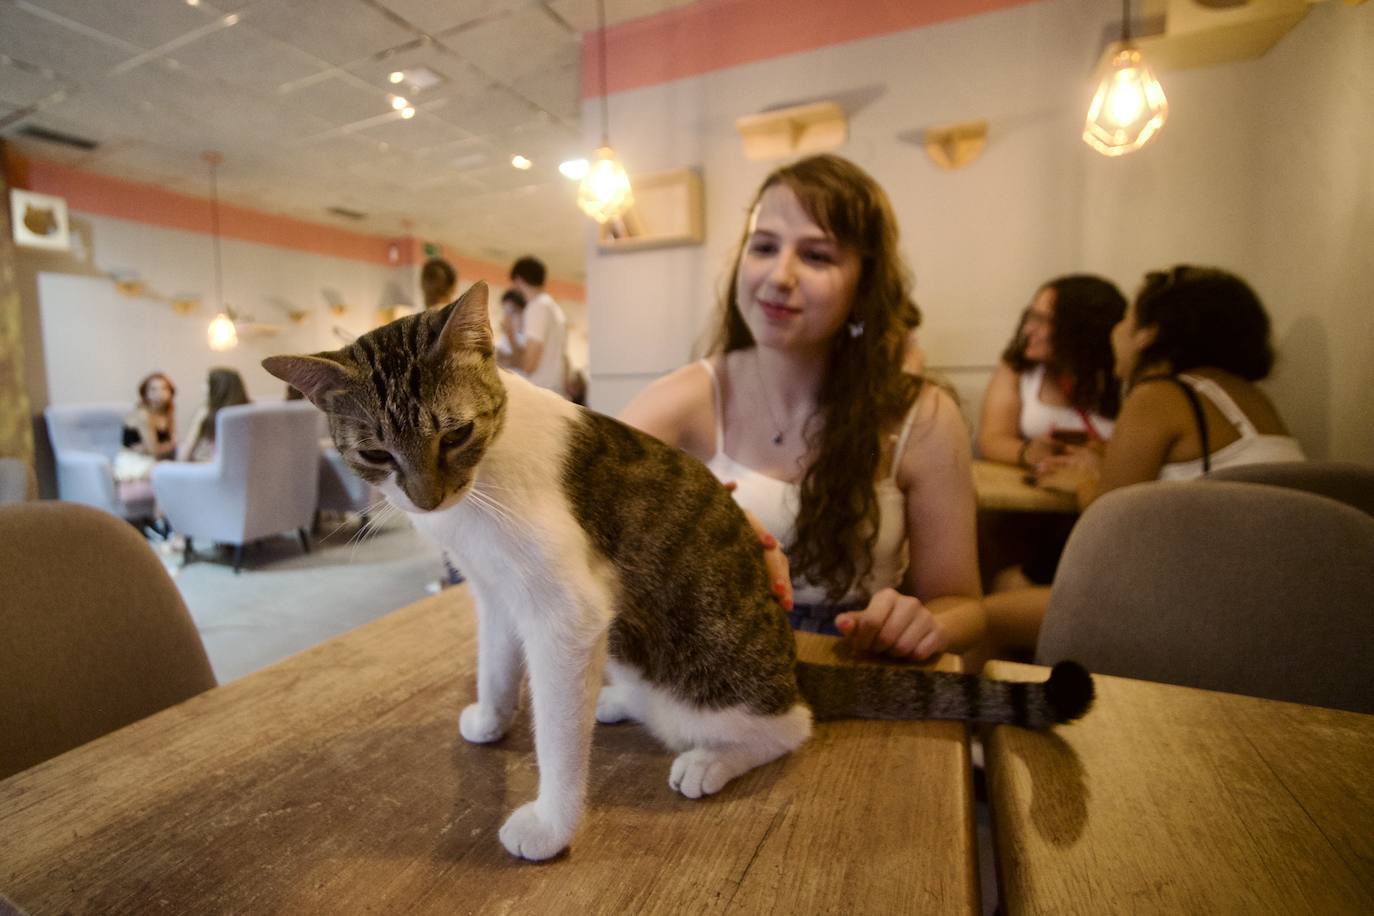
point(482, 724)
point(700, 771)
point(527, 835)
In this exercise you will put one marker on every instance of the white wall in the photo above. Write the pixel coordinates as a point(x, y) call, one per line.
point(1263, 169)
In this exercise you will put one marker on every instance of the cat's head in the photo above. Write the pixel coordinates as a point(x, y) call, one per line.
point(413, 405)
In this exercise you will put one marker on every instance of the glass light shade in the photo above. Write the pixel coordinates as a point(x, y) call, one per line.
point(222, 333)
point(605, 193)
point(1128, 108)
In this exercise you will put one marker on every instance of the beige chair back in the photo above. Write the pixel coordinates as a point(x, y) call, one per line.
point(93, 633)
point(1235, 587)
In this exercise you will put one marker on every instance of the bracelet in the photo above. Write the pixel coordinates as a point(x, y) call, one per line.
point(1021, 455)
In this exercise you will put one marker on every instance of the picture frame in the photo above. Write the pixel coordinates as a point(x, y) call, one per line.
point(39, 220)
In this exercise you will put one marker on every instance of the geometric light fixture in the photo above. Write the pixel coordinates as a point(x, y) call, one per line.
point(221, 333)
point(1129, 106)
point(604, 193)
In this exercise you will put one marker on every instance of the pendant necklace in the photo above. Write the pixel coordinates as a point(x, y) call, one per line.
point(768, 405)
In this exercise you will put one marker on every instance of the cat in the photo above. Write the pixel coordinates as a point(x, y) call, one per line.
point(596, 552)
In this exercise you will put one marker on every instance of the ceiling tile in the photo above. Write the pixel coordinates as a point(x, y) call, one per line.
point(514, 46)
point(487, 113)
point(70, 54)
point(20, 86)
point(146, 23)
point(420, 131)
point(581, 14)
point(435, 16)
point(338, 31)
point(459, 77)
point(246, 57)
point(335, 100)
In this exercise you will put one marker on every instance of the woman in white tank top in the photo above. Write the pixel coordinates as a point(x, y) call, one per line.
point(1191, 348)
point(860, 469)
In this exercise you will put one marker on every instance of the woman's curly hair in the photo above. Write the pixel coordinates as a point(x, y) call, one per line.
point(1086, 308)
point(1204, 317)
point(863, 392)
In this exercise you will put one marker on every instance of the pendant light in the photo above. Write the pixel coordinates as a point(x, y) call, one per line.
point(222, 333)
point(604, 193)
point(1129, 106)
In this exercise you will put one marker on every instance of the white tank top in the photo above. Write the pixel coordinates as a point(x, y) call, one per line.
point(776, 503)
point(1039, 419)
point(1253, 447)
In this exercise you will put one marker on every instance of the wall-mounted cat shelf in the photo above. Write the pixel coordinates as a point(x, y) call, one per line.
point(792, 131)
point(953, 146)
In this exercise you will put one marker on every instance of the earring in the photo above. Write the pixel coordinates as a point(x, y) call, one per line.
point(856, 328)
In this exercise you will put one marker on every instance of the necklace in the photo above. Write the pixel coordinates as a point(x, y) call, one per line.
point(767, 403)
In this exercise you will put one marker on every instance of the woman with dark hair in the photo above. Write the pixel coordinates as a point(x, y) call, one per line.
point(438, 282)
point(1189, 351)
point(1053, 389)
point(861, 469)
point(223, 388)
point(151, 428)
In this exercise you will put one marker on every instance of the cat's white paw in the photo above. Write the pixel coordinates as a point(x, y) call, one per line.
point(527, 835)
point(700, 771)
point(612, 705)
point(482, 724)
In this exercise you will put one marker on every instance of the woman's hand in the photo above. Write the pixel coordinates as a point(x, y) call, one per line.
point(1036, 451)
point(1078, 469)
point(895, 625)
point(779, 571)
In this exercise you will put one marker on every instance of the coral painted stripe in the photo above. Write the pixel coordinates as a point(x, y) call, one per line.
point(715, 34)
point(104, 195)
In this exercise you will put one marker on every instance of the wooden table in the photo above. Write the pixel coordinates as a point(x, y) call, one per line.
point(336, 782)
point(1003, 488)
point(1165, 799)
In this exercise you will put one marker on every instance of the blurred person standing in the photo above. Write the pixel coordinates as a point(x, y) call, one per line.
point(539, 350)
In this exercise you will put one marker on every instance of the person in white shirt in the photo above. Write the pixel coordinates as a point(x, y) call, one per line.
point(539, 352)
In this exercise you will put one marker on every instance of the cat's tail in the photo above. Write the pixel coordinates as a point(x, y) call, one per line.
point(899, 692)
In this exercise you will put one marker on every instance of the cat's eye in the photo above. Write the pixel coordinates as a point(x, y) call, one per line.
point(456, 438)
point(375, 456)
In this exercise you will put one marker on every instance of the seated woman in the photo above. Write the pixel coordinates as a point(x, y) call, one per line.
point(1052, 393)
point(1053, 389)
point(223, 388)
point(860, 468)
point(149, 436)
point(1190, 350)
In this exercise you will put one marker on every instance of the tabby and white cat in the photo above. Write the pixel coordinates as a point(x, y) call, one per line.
point(616, 568)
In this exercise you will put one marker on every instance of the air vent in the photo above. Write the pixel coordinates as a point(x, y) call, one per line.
point(52, 136)
point(346, 213)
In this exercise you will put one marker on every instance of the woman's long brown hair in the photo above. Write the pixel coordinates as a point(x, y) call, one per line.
point(863, 392)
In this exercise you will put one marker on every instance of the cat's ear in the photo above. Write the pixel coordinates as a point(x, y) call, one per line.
point(468, 326)
point(314, 376)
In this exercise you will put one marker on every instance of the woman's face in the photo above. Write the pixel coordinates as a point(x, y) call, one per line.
point(1035, 327)
point(158, 393)
point(795, 285)
point(1128, 340)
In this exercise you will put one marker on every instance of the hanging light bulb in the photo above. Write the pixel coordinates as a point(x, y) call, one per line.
point(222, 333)
point(1129, 106)
point(604, 193)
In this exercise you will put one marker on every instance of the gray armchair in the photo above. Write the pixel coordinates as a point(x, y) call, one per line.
point(264, 479)
point(16, 481)
point(85, 439)
point(340, 489)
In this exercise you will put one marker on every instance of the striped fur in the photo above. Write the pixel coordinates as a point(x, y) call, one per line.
point(616, 570)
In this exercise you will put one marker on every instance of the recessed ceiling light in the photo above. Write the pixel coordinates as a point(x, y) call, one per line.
point(193, 2)
point(407, 113)
point(575, 169)
point(396, 76)
point(520, 162)
point(231, 19)
point(398, 102)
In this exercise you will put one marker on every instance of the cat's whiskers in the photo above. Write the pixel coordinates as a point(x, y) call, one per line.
point(502, 513)
point(372, 526)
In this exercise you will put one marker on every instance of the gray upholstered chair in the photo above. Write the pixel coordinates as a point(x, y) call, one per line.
point(1352, 484)
point(340, 489)
point(1235, 587)
point(16, 481)
point(263, 480)
point(85, 439)
point(93, 636)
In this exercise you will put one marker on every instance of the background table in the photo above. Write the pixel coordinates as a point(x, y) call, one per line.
point(1165, 799)
point(336, 782)
point(1003, 488)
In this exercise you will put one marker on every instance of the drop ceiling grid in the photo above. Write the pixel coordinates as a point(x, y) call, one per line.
point(145, 23)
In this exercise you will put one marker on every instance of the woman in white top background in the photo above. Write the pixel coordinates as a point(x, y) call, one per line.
point(1190, 350)
point(1053, 389)
point(861, 470)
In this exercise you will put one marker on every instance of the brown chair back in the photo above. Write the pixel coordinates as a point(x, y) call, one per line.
point(93, 633)
point(1352, 484)
point(1237, 587)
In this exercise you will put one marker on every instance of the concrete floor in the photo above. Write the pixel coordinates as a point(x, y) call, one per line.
point(285, 601)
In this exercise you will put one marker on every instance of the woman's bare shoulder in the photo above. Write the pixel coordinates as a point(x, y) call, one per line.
point(677, 408)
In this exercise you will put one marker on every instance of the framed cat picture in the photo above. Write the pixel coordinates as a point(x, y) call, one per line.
point(39, 220)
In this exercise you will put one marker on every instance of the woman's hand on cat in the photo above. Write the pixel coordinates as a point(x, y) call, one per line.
point(895, 625)
point(779, 572)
